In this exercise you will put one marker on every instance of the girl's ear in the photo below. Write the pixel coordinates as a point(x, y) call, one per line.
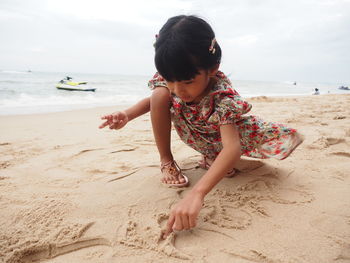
point(212, 72)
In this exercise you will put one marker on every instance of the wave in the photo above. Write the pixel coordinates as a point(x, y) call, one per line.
point(13, 82)
point(15, 72)
point(29, 100)
point(26, 104)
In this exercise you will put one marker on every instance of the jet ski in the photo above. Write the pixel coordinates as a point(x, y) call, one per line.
point(68, 84)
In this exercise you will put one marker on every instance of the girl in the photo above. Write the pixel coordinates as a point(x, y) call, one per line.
point(207, 113)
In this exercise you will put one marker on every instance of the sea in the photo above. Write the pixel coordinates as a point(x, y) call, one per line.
point(26, 92)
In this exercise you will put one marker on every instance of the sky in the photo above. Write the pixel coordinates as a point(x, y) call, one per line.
point(279, 40)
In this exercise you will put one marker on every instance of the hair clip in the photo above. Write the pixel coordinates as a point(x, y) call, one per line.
point(211, 48)
point(154, 44)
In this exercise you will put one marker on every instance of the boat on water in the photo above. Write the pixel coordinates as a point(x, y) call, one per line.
point(344, 88)
point(68, 84)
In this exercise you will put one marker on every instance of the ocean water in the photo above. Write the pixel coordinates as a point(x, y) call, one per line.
point(35, 92)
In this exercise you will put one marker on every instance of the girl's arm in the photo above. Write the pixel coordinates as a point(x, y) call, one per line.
point(224, 162)
point(119, 119)
point(140, 108)
point(184, 214)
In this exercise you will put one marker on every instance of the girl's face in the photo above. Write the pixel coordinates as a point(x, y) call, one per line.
point(192, 90)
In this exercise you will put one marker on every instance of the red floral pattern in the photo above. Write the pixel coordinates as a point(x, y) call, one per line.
point(198, 125)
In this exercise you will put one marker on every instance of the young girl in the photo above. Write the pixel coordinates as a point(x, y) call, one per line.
point(207, 113)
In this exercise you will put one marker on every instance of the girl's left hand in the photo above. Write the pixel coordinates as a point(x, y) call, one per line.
point(183, 215)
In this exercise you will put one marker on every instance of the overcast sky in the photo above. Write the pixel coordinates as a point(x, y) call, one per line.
point(302, 40)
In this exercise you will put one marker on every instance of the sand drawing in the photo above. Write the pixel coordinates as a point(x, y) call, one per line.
point(235, 209)
point(52, 236)
point(136, 235)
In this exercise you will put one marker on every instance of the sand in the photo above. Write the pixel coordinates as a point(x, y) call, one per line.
point(70, 192)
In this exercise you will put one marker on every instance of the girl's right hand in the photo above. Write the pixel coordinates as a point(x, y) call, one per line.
point(116, 120)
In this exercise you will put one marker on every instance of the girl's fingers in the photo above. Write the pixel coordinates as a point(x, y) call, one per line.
point(117, 125)
point(192, 221)
point(113, 120)
point(121, 124)
point(106, 117)
point(169, 225)
point(114, 125)
point(178, 224)
point(117, 117)
point(185, 222)
point(103, 125)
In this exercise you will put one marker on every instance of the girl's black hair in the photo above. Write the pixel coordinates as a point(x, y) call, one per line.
point(182, 48)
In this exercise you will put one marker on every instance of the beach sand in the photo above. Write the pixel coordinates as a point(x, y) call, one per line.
point(70, 192)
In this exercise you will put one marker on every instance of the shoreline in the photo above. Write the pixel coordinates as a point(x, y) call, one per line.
point(70, 192)
point(127, 104)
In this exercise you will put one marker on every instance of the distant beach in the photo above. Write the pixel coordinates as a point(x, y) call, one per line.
point(23, 92)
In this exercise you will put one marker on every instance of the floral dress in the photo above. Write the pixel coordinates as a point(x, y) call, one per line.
point(198, 125)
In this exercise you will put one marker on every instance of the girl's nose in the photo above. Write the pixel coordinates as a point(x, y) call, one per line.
point(178, 88)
